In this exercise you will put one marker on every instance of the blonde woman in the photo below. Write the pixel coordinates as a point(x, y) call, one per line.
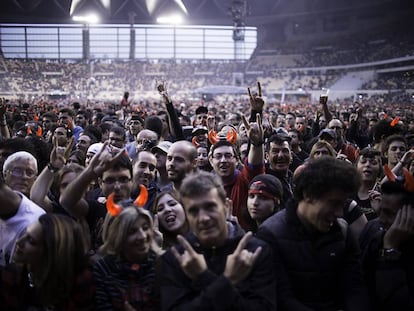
point(125, 276)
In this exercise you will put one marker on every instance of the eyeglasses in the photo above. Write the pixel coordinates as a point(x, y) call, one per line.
point(219, 156)
point(19, 172)
point(111, 181)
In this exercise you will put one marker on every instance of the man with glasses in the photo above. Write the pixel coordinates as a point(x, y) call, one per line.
point(20, 171)
point(114, 173)
point(17, 212)
point(224, 158)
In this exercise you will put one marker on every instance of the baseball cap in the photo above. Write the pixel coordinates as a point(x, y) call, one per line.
point(164, 146)
point(327, 132)
point(199, 130)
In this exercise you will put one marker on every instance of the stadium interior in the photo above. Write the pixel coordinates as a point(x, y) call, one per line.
point(301, 48)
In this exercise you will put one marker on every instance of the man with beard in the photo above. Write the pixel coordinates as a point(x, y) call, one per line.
point(181, 161)
point(144, 171)
point(279, 158)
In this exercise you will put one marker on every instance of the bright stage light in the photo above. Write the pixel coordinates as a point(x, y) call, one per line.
point(89, 19)
point(170, 19)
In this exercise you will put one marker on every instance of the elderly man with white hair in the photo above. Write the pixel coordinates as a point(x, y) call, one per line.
point(16, 210)
point(20, 171)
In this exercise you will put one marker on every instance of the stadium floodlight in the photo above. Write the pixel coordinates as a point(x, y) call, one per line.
point(170, 19)
point(87, 19)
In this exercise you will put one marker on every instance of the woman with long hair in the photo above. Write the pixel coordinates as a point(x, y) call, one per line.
point(125, 275)
point(50, 268)
point(171, 217)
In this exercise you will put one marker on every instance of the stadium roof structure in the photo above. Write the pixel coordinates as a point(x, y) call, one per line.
point(196, 12)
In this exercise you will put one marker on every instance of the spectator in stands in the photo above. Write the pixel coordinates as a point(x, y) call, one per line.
point(134, 125)
point(20, 171)
point(181, 161)
point(114, 173)
point(342, 146)
point(387, 244)
point(65, 118)
point(117, 137)
point(202, 158)
point(279, 158)
point(309, 227)
point(394, 149)
point(265, 194)
point(223, 158)
point(146, 139)
point(239, 269)
point(160, 151)
point(39, 279)
point(125, 277)
point(16, 213)
point(171, 217)
point(369, 166)
point(200, 116)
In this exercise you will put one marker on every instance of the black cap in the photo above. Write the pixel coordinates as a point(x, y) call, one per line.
point(201, 109)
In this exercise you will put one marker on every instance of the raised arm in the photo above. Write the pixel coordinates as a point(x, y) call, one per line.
point(174, 123)
point(41, 186)
point(4, 129)
point(256, 137)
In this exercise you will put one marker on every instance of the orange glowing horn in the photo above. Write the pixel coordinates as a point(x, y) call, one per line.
point(212, 137)
point(232, 136)
point(395, 121)
point(143, 196)
point(113, 208)
point(39, 132)
point(195, 141)
point(390, 175)
point(409, 180)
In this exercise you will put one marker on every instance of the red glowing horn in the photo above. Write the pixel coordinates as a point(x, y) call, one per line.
point(409, 180)
point(395, 121)
point(390, 175)
point(232, 136)
point(39, 132)
point(195, 141)
point(143, 196)
point(112, 208)
point(212, 137)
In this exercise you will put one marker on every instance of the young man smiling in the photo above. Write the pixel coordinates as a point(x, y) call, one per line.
point(215, 267)
point(316, 256)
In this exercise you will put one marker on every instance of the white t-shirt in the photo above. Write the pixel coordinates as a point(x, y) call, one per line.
point(13, 228)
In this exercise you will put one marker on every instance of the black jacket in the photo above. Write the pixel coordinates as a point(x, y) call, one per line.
point(390, 280)
point(212, 291)
point(315, 271)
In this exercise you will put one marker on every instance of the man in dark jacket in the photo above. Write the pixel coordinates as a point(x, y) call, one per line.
point(316, 257)
point(215, 267)
point(387, 243)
